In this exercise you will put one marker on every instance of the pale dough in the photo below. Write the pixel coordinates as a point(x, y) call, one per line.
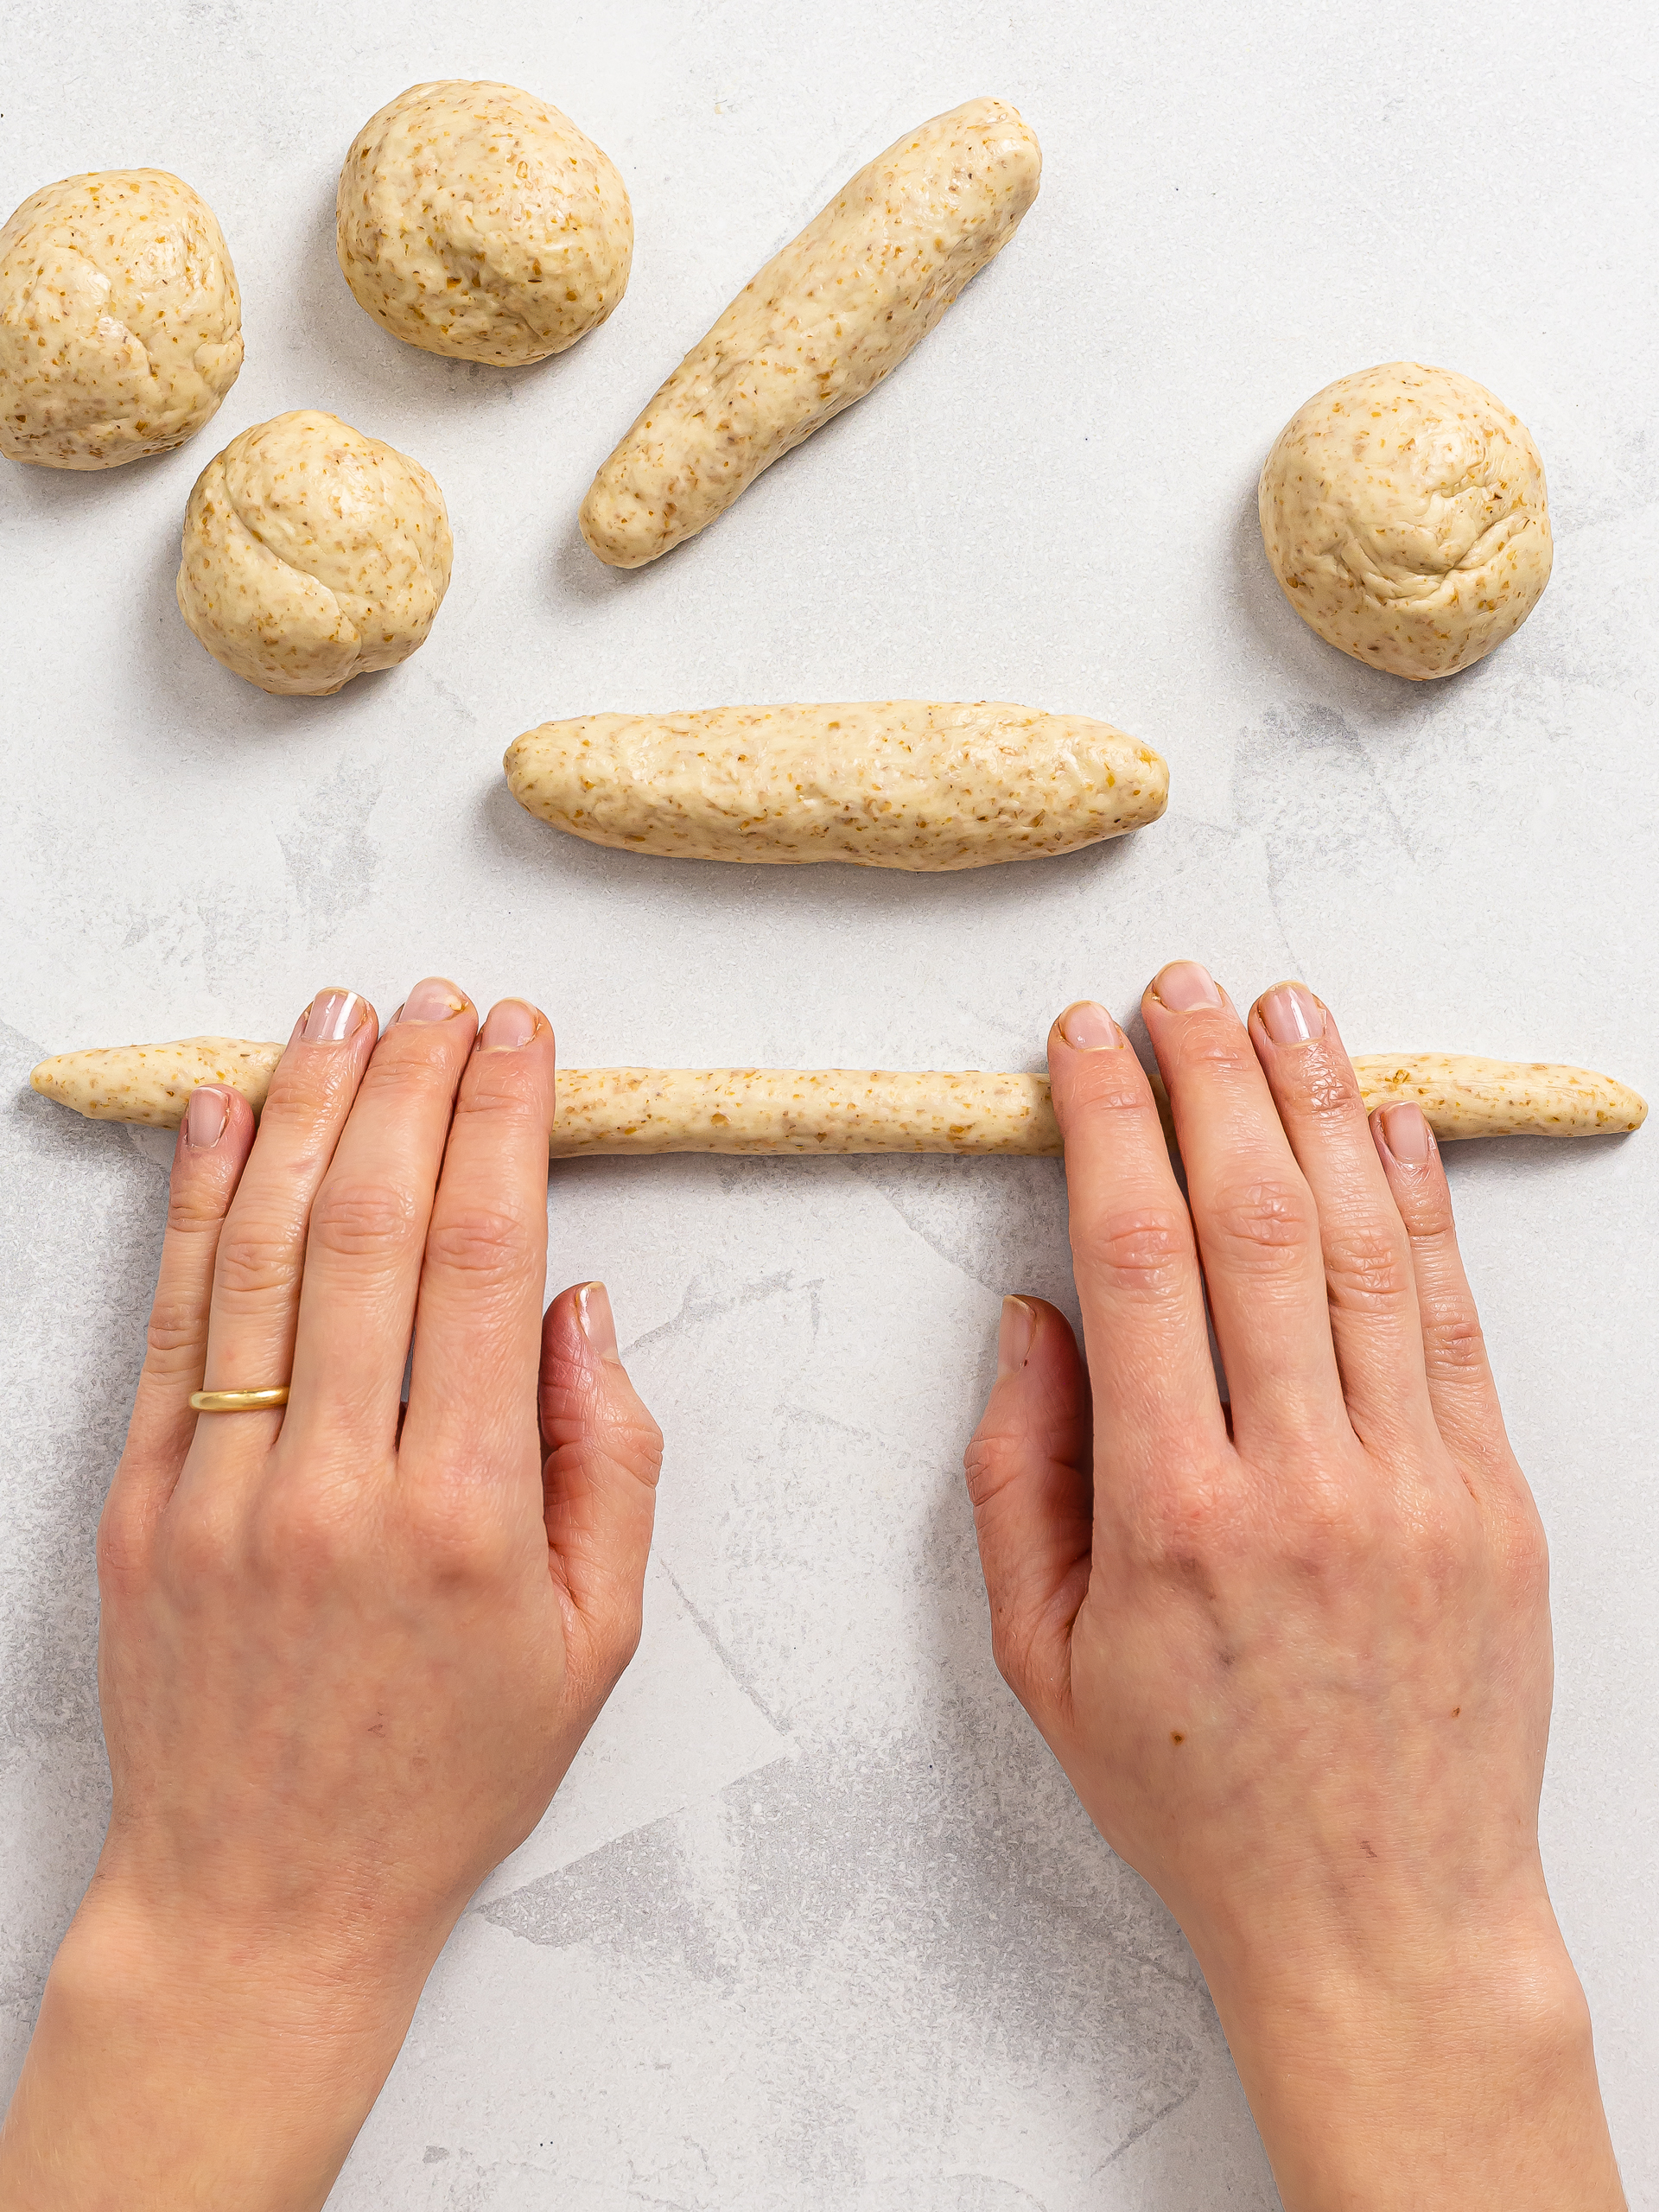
point(120, 321)
point(620, 1110)
point(893, 783)
point(476, 222)
point(1403, 512)
point(820, 326)
point(312, 553)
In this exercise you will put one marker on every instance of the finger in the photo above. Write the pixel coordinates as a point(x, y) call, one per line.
point(1133, 1254)
point(1368, 1286)
point(369, 1223)
point(262, 1245)
point(604, 1452)
point(1030, 1480)
point(213, 1142)
point(472, 1396)
point(1461, 1391)
point(1257, 1228)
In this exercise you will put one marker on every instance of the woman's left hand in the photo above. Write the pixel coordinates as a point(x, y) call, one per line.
point(347, 1651)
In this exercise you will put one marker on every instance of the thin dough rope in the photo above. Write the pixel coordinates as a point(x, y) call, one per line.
point(641, 1111)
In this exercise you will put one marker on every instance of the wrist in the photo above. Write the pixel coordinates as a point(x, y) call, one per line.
point(1456, 2073)
point(182, 2059)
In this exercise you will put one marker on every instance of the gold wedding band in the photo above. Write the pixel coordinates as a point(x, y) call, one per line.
point(237, 1401)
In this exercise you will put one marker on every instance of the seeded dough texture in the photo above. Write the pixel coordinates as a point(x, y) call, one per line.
point(475, 221)
point(820, 326)
point(312, 553)
point(1462, 1096)
point(120, 321)
point(912, 783)
point(621, 1110)
point(1404, 514)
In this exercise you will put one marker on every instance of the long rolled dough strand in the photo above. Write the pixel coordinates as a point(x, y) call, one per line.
point(623, 1110)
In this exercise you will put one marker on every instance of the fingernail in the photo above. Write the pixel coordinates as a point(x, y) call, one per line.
point(331, 1016)
point(1014, 1331)
point(435, 1000)
point(1089, 1027)
point(205, 1118)
point(1184, 985)
point(1292, 1015)
point(598, 1322)
point(507, 1026)
point(1406, 1132)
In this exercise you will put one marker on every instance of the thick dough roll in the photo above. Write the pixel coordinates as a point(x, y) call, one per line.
point(622, 1110)
point(1403, 512)
point(476, 222)
point(820, 326)
point(894, 783)
point(312, 554)
point(120, 321)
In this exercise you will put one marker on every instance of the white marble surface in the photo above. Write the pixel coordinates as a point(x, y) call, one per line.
point(816, 1924)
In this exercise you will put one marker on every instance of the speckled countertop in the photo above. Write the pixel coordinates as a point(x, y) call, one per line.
point(815, 1925)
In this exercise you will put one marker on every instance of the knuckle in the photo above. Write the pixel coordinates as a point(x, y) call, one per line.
point(1366, 1267)
point(1267, 1225)
point(177, 1326)
point(256, 1258)
point(121, 1549)
point(199, 1543)
point(486, 1243)
point(1141, 1251)
point(1322, 1086)
point(1096, 1090)
point(362, 1220)
point(455, 1535)
point(1454, 1341)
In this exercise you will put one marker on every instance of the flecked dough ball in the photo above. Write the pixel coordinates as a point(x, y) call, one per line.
point(120, 321)
point(312, 554)
point(476, 222)
point(1403, 511)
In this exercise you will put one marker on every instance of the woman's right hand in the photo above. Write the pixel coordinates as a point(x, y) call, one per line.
point(1294, 1653)
point(347, 1652)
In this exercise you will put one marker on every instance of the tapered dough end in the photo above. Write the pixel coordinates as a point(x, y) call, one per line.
point(1463, 1095)
point(152, 1083)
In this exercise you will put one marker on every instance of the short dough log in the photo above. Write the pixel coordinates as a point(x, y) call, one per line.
point(820, 326)
point(893, 783)
point(620, 1110)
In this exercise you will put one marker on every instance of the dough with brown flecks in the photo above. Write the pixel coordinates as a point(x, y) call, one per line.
point(476, 222)
point(120, 321)
point(1403, 512)
point(312, 553)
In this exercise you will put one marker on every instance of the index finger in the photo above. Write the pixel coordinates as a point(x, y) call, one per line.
point(478, 1321)
point(1133, 1254)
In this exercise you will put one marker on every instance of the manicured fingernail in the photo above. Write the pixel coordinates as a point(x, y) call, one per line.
point(1089, 1027)
point(507, 1026)
point(435, 1000)
point(331, 1016)
point(205, 1118)
point(1292, 1015)
point(1406, 1133)
point(1014, 1332)
point(1184, 985)
point(598, 1322)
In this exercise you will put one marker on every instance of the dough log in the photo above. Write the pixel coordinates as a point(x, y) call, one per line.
point(620, 1110)
point(820, 326)
point(896, 783)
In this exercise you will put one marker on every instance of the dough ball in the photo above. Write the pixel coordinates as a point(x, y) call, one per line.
point(1403, 512)
point(120, 321)
point(476, 222)
point(312, 554)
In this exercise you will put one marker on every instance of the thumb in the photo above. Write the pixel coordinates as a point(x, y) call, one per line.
point(599, 1480)
point(1029, 1470)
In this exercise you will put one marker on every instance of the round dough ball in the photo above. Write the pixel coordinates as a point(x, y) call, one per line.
point(312, 554)
point(120, 321)
point(476, 222)
point(1403, 512)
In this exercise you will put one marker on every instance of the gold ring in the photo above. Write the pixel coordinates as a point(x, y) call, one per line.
point(237, 1401)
